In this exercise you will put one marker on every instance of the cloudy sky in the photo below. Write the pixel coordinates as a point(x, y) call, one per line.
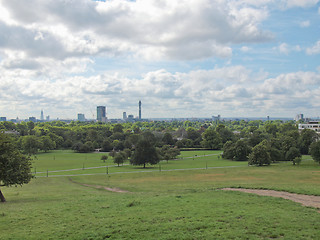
point(181, 58)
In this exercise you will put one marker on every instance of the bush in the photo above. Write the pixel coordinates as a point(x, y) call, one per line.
point(104, 158)
point(297, 160)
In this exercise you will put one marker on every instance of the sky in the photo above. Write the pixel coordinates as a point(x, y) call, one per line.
point(181, 58)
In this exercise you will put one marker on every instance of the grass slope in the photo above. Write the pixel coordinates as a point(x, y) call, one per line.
point(164, 205)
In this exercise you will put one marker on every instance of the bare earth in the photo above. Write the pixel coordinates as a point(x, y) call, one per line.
point(305, 200)
point(117, 190)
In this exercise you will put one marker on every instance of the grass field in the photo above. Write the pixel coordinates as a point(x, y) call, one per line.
point(184, 204)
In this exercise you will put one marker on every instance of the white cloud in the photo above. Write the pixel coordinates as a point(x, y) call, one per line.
point(167, 29)
point(232, 90)
point(283, 48)
point(300, 3)
point(315, 49)
point(245, 49)
point(304, 24)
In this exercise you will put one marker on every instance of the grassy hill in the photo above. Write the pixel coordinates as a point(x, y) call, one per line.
point(167, 204)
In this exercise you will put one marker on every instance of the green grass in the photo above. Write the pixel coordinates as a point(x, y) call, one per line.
point(75, 163)
point(163, 205)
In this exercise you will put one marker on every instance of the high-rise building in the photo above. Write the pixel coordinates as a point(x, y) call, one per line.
point(81, 117)
point(298, 117)
point(41, 117)
point(139, 110)
point(124, 116)
point(101, 113)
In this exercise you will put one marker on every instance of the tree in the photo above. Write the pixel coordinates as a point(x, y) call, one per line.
point(242, 150)
point(211, 139)
point(119, 158)
point(145, 152)
point(307, 136)
point(167, 152)
point(229, 150)
point(30, 144)
point(315, 151)
point(47, 144)
point(225, 133)
point(167, 139)
point(15, 168)
point(259, 155)
point(118, 128)
point(104, 158)
point(106, 146)
point(292, 153)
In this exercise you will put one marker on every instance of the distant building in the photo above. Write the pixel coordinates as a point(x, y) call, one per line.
point(81, 117)
point(48, 118)
point(101, 114)
point(32, 119)
point(41, 116)
point(298, 117)
point(216, 118)
point(139, 110)
point(3, 119)
point(313, 125)
point(124, 116)
point(130, 118)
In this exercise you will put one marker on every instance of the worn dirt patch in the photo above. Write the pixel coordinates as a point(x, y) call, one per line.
point(117, 190)
point(305, 200)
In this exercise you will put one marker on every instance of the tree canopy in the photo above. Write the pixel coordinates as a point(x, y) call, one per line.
point(15, 168)
point(145, 153)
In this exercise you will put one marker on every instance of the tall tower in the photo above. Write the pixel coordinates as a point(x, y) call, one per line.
point(41, 117)
point(139, 110)
point(101, 113)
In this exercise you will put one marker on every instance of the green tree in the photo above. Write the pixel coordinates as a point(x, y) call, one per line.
point(167, 139)
point(145, 153)
point(15, 168)
point(292, 153)
point(118, 128)
point(47, 144)
point(104, 158)
point(229, 150)
point(307, 136)
point(259, 155)
point(272, 129)
point(119, 158)
point(225, 133)
point(106, 146)
point(167, 152)
point(315, 151)
point(242, 150)
point(211, 139)
point(30, 144)
point(30, 125)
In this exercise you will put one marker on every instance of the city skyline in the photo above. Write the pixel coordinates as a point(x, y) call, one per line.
point(182, 59)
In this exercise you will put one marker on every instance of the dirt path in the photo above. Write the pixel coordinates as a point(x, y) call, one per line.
point(117, 190)
point(305, 200)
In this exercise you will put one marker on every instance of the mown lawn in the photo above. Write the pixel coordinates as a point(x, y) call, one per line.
point(164, 205)
point(69, 163)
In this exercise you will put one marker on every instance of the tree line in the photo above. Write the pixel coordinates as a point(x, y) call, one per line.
point(256, 141)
